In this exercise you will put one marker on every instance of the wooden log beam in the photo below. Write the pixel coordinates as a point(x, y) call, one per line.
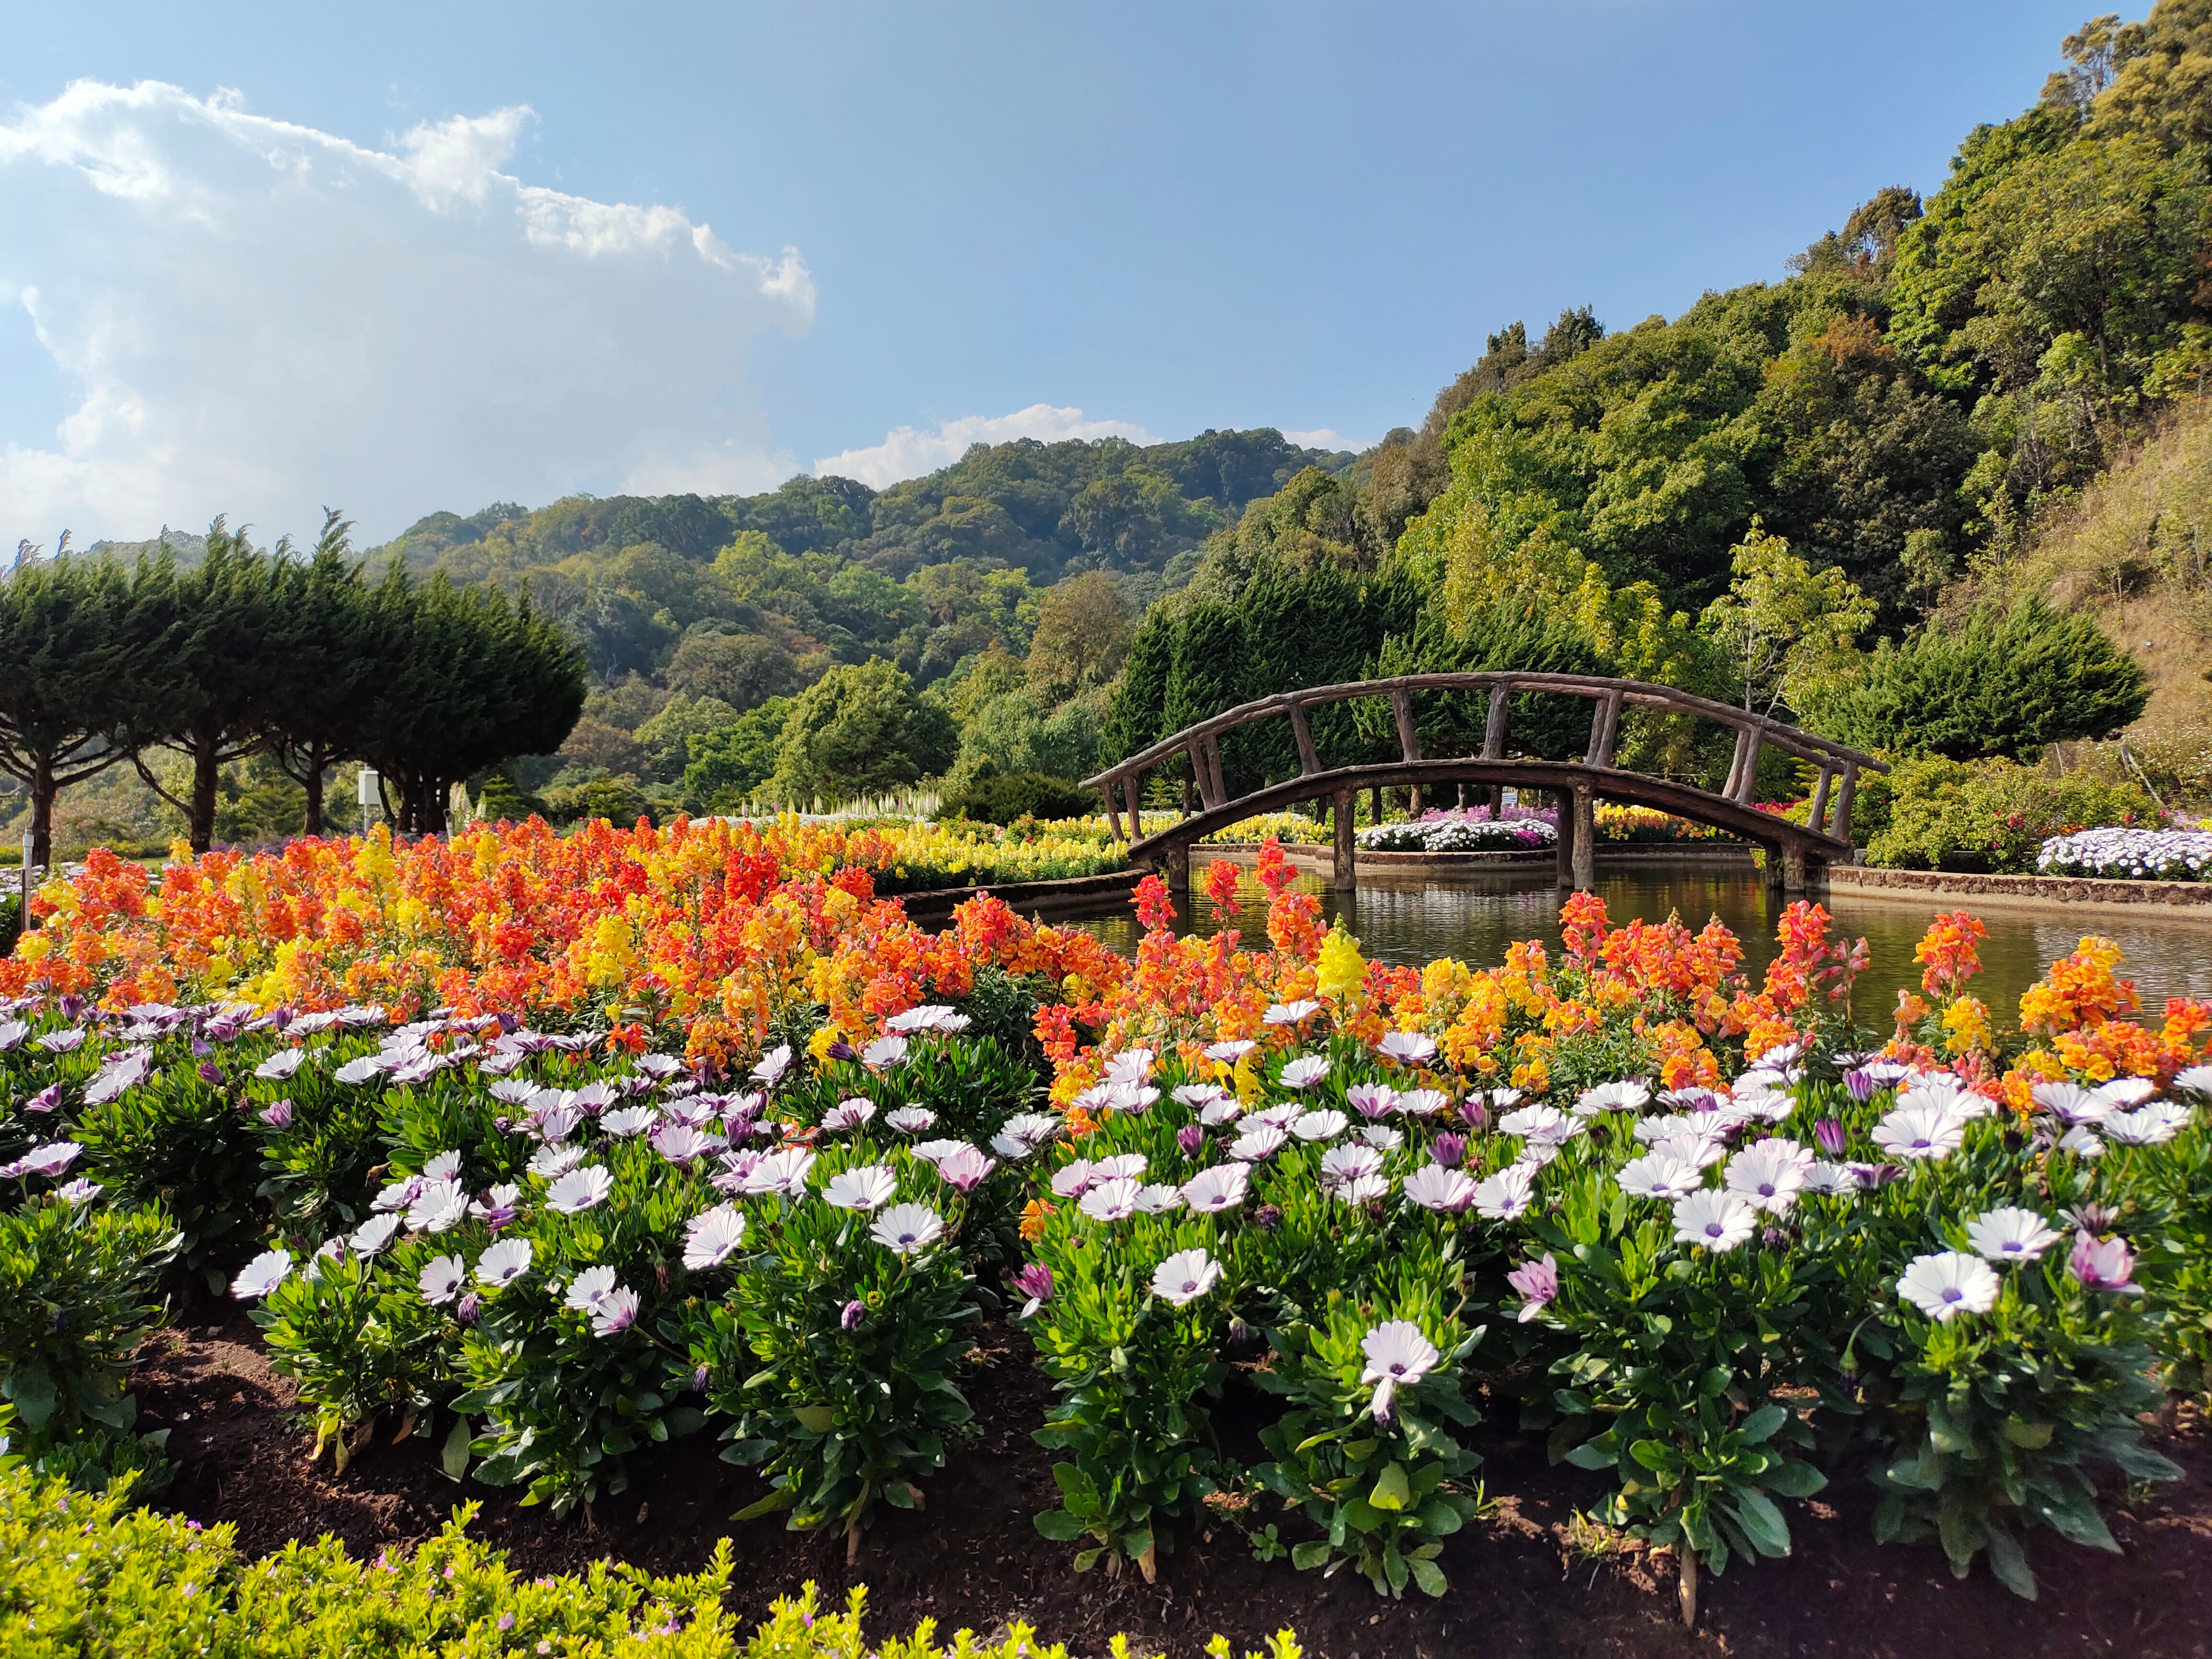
point(1309, 762)
point(1401, 710)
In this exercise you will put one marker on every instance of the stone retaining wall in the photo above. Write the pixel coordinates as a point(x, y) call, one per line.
point(2186, 900)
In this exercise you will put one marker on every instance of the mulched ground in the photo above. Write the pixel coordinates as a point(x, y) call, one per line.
point(1527, 1580)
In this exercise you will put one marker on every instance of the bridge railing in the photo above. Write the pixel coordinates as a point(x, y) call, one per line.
point(1832, 795)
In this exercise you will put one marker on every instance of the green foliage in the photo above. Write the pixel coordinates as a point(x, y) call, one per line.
point(860, 731)
point(79, 1292)
point(837, 1359)
point(1932, 809)
point(82, 1574)
point(1384, 1487)
point(2002, 684)
point(994, 797)
point(727, 768)
point(355, 1340)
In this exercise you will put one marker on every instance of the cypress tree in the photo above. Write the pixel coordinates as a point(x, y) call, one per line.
point(77, 667)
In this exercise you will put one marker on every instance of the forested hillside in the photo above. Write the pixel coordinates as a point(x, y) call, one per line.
point(1768, 497)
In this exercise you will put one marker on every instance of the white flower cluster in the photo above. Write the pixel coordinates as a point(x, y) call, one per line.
point(1458, 835)
point(2128, 855)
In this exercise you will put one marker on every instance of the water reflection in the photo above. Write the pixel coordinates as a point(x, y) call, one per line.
point(1413, 920)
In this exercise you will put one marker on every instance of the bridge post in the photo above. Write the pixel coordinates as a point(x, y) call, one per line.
point(1565, 875)
point(1585, 814)
point(1793, 867)
point(1345, 875)
point(1174, 867)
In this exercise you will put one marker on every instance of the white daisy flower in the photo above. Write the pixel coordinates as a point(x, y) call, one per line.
point(1111, 1201)
point(1291, 1013)
point(1507, 1194)
point(1158, 1197)
point(711, 1236)
point(1627, 1095)
point(1320, 1125)
point(1769, 1175)
point(627, 1121)
point(261, 1275)
point(1433, 1187)
point(1916, 1133)
point(847, 1114)
point(1408, 1047)
point(554, 1161)
point(503, 1263)
point(911, 1120)
point(2009, 1234)
point(588, 1288)
point(441, 1278)
point(579, 1190)
point(1422, 1103)
point(1398, 1357)
point(784, 1170)
point(907, 1229)
point(1185, 1276)
point(1948, 1283)
point(2147, 1126)
point(864, 1187)
point(1221, 1187)
point(1305, 1071)
point(1229, 1053)
point(1716, 1221)
point(442, 1204)
point(1658, 1174)
point(1258, 1142)
point(373, 1234)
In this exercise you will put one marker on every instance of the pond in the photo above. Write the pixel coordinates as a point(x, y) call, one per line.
point(1415, 919)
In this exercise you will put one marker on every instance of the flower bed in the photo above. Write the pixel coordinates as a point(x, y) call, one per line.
point(2128, 855)
point(1456, 832)
point(1719, 1243)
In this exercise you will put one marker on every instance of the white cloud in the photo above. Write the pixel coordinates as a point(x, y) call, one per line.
point(908, 451)
point(257, 318)
point(1321, 437)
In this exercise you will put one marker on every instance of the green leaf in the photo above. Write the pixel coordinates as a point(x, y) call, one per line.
point(775, 1502)
point(1715, 1381)
point(1590, 1456)
point(1087, 1559)
point(1390, 1490)
point(1060, 1527)
point(2009, 1563)
point(816, 1419)
point(1078, 1487)
point(1793, 1480)
point(1306, 1557)
point(1762, 1522)
point(455, 1455)
point(2076, 1518)
point(1427, 1576)
point(1760, 1425)
point(1657, 1457)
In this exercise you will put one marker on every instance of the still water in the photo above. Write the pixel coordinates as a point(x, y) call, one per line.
point(1414, 919)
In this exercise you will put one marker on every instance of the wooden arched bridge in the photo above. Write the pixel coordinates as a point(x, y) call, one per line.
point(1797, 852)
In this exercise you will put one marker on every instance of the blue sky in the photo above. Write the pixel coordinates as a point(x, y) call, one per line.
point(1164, 217)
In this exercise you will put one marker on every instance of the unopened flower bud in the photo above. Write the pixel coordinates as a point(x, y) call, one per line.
point(1190, 1138)
point(853, 1311)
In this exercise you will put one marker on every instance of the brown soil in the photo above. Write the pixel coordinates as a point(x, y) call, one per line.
point(1529, 1579)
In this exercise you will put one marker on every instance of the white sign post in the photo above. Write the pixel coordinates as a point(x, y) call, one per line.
point(366, 792)
point(24, 915)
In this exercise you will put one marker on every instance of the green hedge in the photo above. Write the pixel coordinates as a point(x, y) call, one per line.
point(82, 1574)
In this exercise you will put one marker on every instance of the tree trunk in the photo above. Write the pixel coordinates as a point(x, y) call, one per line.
point(312, 824)
point(200, 821)
point(43, 791)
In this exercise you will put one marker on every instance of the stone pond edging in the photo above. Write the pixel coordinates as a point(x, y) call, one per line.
point(2168, 900)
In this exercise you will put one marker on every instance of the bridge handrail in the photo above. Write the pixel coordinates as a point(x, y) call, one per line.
point(1791, 740)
